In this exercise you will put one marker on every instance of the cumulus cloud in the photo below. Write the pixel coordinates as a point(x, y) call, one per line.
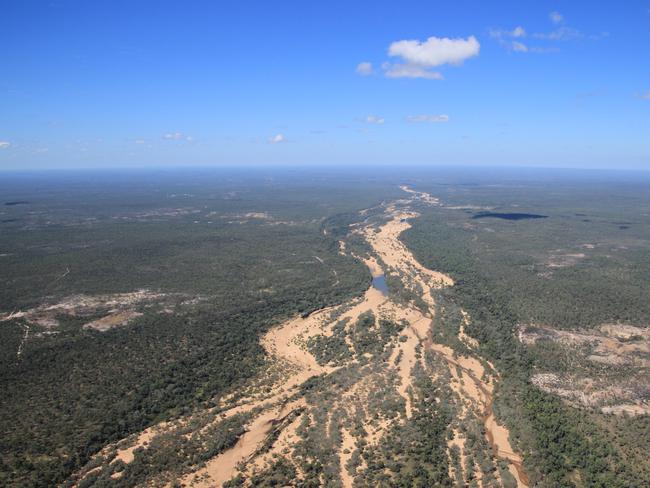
point(373, 119)
point(418, 57)
point(364, 68)
point(414, 119)
point(556, 17)
point(435, 51)
point(277, 139)
point(177, 136)
point(5, 144)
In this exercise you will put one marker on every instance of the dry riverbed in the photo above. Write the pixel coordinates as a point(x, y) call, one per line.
point(286, 418)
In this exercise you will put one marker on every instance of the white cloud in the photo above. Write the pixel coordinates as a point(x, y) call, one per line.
point(504, 37)
point(373, 119)
point(435, 51)
point(518, 32)
point(418, 57)
point(563, 32)
point(139, 141)
point(5, 144)
point(414, 119)
point(519, 47)
point(177, 136)
point(276, 139)
point(409, 71)
point(512, 39)
point(560, 34)
point(645, 96)
point(364, 69)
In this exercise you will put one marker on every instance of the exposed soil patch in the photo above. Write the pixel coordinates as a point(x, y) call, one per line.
point(560, 260)
point(611, 370)
point(120, 308)
point(609, 344)
point(112, 320)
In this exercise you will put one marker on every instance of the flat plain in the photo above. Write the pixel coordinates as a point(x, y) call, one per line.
point(208, 327)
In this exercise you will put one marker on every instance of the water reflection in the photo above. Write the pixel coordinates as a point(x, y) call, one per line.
point(379, 282)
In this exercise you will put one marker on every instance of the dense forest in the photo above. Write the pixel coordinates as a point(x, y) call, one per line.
point(223, 260)
point(128, 300)
point(505, 276)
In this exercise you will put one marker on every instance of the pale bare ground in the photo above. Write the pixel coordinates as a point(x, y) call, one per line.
point(22, 341)
point(563, 260)
point(610, 343)
point(405, 366)
point(223, 467)
point(126, 455)
point(462, 336)
point(610, 346)
point(220, 469)
point(286, 343)
point(629, 409)
point(459, 442)
point(479, 392)
point(116, 319)
point(598, 393)
point(387, 244)
point(425, 197)
point(501, 441)
point(286, 347)
point(348, 445)
point(283, 445)
point(82, 305)
point(373, 267)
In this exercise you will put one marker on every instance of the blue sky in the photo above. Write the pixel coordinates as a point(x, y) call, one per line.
point(138, 83)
